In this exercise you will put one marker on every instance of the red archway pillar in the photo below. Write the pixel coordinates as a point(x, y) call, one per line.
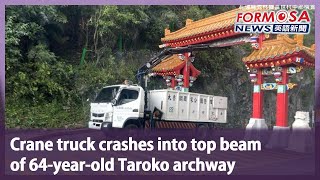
point(257, 105)
point(186, 73)
point(257, 128)
point(282, 100)
point(173, 82)
point(280, 133)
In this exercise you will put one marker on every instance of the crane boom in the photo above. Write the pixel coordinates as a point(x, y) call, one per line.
point(145, 68)
point(167, 52)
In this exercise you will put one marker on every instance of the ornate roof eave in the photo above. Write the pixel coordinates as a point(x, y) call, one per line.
point(177, 68)
point(218, 23)
point(202, 26)
point(281, 49)
point(303, 53)
point(204, 37)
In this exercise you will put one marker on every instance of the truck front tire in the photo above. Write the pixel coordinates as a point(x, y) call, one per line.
point(131, 126)
point(132, 130)
point(202, 131)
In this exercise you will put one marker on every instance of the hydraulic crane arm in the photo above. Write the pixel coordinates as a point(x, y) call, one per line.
point(144, 69)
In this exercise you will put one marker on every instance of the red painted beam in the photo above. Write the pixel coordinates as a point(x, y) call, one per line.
point(230, 28)
point(198, 41)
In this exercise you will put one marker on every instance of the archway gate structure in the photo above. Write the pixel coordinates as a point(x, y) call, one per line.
point(278, 57)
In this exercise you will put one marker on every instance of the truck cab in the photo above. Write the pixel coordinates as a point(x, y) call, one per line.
point(117, 106)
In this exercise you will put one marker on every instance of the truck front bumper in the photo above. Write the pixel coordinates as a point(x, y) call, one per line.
point(99, 126)
point(94, 125)
point(106, 125)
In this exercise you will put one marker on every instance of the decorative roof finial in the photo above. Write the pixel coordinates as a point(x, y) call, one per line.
point(188, 21)
point(313, 47)
point(299, 39)
point(167, 31)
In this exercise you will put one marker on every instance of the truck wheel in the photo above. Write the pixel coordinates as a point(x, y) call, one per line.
point(131, 126)
point(132, 130)
point(202, 131)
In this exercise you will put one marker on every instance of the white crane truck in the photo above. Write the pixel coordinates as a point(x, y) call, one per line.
point(134, 106)
point(123, 106)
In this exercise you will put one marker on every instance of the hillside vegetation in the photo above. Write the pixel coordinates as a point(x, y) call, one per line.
point(48, 81)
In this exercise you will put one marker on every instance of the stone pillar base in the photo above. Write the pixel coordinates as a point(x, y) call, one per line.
point(279, 138)
point(257, 129)
point(301, 140)
point(302, 137)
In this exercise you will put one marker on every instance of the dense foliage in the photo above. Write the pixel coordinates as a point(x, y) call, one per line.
point(48, 80)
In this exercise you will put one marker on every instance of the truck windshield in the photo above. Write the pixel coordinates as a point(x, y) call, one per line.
point(107, 94)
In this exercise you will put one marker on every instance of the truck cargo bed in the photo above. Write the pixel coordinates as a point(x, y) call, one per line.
point(186, 106)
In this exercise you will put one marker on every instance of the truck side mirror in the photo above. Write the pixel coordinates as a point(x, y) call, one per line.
point(113, 102)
